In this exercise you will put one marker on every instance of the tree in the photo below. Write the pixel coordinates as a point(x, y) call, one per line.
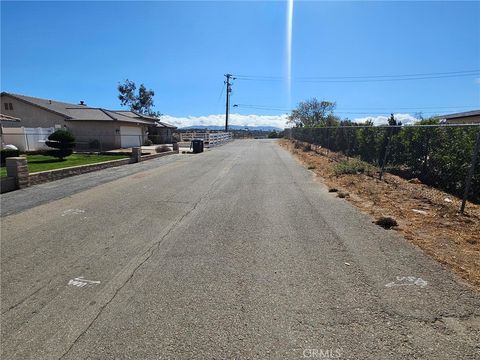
point(393, 122)
point(141, 102)
point(63, 142)
point(273, 135)
point(312, 113)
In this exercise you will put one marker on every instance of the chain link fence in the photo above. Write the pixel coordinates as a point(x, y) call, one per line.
point(442, 156)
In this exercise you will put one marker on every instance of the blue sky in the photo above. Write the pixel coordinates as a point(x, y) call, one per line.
point(75, 51)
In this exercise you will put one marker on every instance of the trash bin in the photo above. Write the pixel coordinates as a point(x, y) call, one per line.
point(197, 145)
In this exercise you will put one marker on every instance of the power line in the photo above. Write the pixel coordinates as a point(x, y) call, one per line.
point(350, 110)
point(366, 78)
point(221, 92)
point(370, 108)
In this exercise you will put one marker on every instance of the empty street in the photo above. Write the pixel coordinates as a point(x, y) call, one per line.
point(239, 252)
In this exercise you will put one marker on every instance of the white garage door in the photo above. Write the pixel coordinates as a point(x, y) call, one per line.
point(131, 136)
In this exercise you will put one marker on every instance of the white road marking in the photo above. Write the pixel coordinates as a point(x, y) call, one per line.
point(407, 281)
point(81, 282)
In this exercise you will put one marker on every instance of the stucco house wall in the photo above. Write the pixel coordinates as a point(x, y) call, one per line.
point(107, 133)
point(31, 116)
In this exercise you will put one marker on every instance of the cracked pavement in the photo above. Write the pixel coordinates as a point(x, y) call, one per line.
point(237, 253)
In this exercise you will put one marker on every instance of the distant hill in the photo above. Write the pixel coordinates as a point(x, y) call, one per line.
point(232, 127)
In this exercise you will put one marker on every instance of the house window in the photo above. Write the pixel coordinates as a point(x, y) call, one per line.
point(6, 106)
point(10, 106)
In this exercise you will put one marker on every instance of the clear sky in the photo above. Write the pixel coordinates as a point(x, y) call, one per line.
point(75, 51)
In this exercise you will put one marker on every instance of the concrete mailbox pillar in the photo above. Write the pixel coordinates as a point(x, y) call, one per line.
point(18, 169)
point(136, 154)
point(175, 146)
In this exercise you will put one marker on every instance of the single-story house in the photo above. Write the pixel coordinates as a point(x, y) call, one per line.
point(159, 132)
point(467, 117)
point(94, 128)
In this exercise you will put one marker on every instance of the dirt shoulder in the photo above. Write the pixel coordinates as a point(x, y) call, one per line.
point(426, 217)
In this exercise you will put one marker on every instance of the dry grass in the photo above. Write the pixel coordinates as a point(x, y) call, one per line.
point(435, 226)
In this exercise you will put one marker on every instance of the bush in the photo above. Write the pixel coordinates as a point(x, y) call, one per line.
point(162, 148)
point(63, 142)
point(386, 222)
point(6, 153)
point(438, 156)
point(148, 142)
point(354, 166)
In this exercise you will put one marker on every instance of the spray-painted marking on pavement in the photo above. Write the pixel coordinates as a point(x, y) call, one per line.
point(73, 212)
point(81, 282)
point(407, 281)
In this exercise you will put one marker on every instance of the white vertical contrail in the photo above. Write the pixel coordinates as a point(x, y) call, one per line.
point(289, 49)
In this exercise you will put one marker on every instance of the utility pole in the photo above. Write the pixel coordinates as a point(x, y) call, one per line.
point(227, 104)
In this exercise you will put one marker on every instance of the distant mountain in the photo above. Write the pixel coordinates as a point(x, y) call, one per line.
point(232, 127)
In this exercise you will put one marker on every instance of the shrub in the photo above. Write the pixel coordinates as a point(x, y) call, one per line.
point(386, 222)
point(63, 142)
point(162, 148)
point(148, 142)
point(354, 166)
point(6, 153)
point(437, 156)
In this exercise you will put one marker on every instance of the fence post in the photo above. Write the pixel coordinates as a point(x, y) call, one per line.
point(471, 171)
point(136, 154)
point(387, 147)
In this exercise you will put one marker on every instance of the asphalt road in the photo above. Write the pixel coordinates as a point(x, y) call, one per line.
point(237, 253)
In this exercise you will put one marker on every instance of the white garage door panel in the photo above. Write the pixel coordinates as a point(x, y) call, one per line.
point(131, 136)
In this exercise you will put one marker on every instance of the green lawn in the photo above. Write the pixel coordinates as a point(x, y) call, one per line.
point(38, 163)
